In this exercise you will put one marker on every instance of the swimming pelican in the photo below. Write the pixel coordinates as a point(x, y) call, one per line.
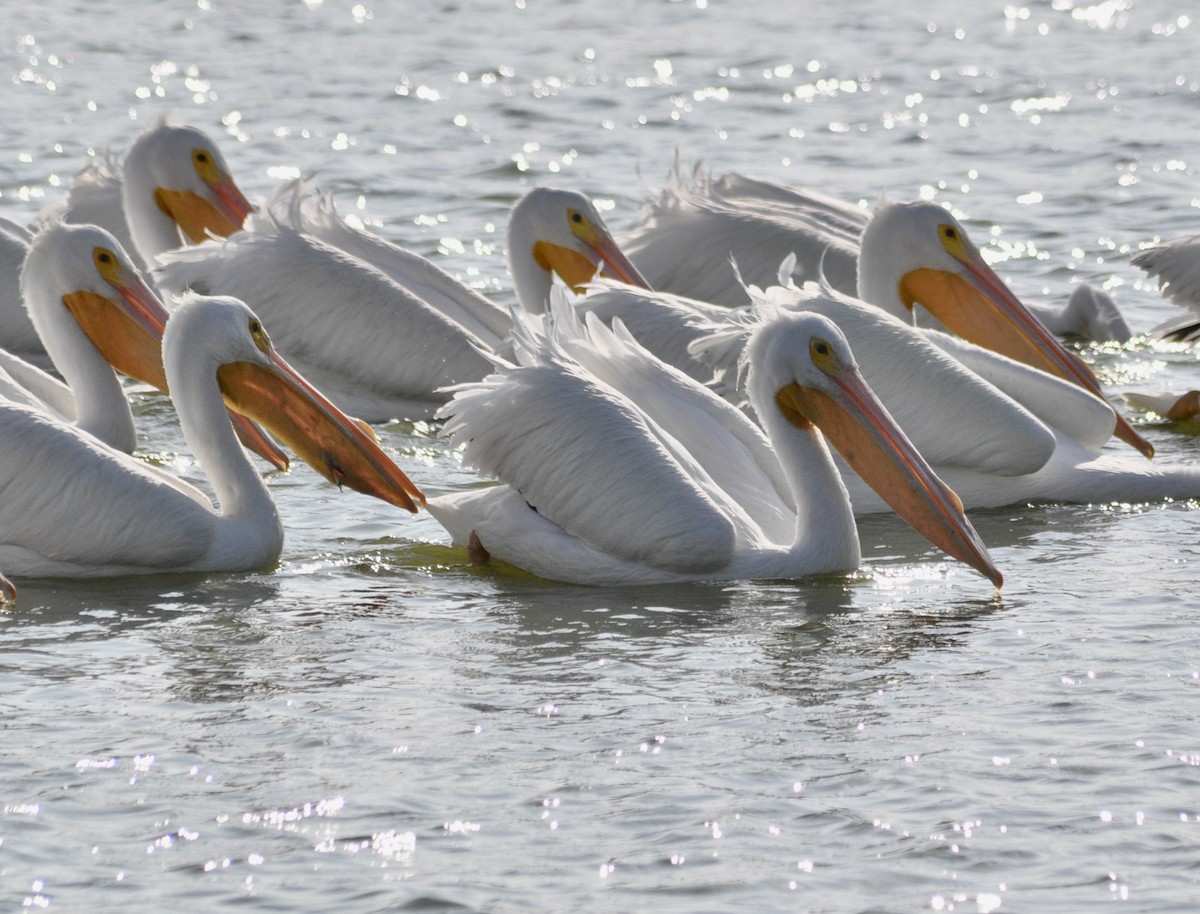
point(677, 485)
point(1176, 266)
point(95, 313)
point(173, 186)
point(969, 412)
point(374, 324)
point(72, 507)
point(914, 253)
point(692, 227)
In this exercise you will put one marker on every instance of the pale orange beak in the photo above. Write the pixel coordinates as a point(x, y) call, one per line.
point(128, 334)
point(860, 428)
point(979, 307)
point(199, 218)
point(329, 441)
point(8, 593)
point(577, 269)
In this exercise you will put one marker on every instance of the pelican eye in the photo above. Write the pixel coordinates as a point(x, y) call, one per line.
point(823, 354)
point(953, 240)
point(108, 265)
point(259, 334)
point(206, 166)
point(581, 226)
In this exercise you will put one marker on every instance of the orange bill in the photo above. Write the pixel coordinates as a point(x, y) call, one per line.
point(978, 307)
point(129, 336)
point(199, 218)
point(329, 441)
point(8, 593)
point(577, 269)
point(860, 428)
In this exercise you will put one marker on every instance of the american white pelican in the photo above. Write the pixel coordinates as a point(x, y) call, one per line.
point(693, 226)
point(918, 253)
point(72, 507)
point(374, 324)
point(1176, 266)
point(598, 488)
point(95, 313)
point(172, 187)
point(558, 233)
point(967, 410)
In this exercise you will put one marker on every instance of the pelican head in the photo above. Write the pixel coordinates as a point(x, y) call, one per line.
point(226, 337)
point(559, 232)
point(918, 253)
point(802, 366)
point(85, 270)
point(176, 183)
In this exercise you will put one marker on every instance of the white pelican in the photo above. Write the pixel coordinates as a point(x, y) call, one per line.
point(72, 507)
point(1176, 266)
point(693, 227)
point(558, 233)
point(980, 419)
point(172, 187)
point(678, 486)
point(373, 324)
point(95, 312)
point(918, 253)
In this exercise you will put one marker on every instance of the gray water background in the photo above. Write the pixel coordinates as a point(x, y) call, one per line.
point(375, 725)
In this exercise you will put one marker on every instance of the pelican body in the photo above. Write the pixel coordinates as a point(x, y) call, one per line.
point(383, 331)
point(618, 469)
point(71, 506)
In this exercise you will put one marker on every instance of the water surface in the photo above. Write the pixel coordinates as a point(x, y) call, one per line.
point(376, 725)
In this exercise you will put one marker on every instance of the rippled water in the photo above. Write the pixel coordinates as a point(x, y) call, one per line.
point(376, 725)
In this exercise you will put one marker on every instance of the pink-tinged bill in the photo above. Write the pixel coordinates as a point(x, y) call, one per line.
point(861, 430)
point(329, 441)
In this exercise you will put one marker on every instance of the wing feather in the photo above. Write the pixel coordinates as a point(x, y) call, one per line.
point(71, 500)
point(333, 312)
point(584, 457)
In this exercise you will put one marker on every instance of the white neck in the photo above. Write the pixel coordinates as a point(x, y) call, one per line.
point(152, 230)
point(530, 282)
point(249, 521)
point(826, 537)
point(101, 408)
point(878, 273)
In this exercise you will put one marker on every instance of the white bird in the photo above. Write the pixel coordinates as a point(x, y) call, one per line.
point(72, 507)
point(1176, 266)
point(673, 484)
point(693, 227)
point(95, 314)
point(173, 186)
point(969, 412)
point(918, 253)
point(381, 330)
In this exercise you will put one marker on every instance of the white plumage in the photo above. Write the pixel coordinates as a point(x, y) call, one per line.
point(381, 330)
point(616, 468)
point(696, 224)
point(1176, 266)
point(73, 507)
